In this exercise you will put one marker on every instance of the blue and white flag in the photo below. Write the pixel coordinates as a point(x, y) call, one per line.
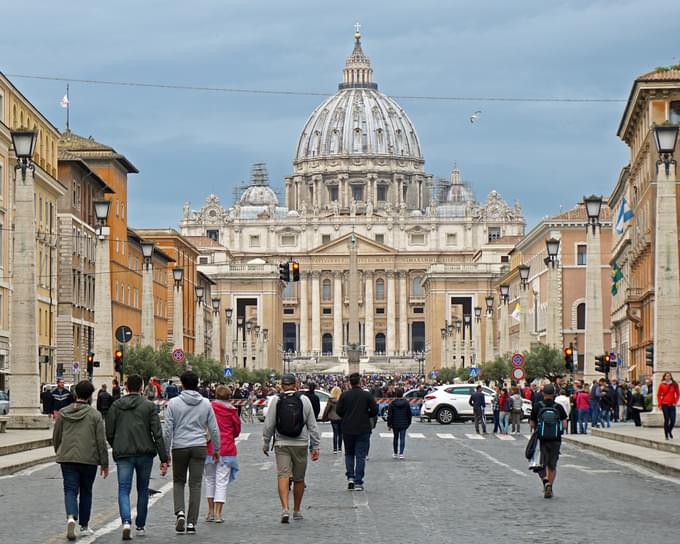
point(625, 215)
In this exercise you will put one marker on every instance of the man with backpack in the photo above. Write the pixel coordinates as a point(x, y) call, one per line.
point(291, 422)
point(549, 419)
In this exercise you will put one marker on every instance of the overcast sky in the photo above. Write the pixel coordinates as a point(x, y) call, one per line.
point(188, 144)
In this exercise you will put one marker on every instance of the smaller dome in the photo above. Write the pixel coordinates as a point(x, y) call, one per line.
point(259, 195)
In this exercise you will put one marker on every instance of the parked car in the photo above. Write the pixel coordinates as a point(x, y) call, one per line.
point(322, 395)
point(4, 403)
point(409, 395)
point(449, 403)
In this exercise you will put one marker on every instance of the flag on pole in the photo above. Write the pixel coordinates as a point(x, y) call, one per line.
point(625, 215)
point(64, 101)
point(617, 276)
point(515, 312)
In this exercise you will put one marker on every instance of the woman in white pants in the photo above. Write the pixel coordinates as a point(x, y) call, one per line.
point(218, 475)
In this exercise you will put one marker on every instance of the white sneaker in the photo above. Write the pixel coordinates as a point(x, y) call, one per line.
point(71, 528)
point(394, 456)
point(127, 531)
point(139, 531)
point(86, 531)
point(402, 456)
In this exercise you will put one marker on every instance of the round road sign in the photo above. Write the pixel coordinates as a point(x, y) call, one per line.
point(518, 359)
point(178, 355)
point(518, 374)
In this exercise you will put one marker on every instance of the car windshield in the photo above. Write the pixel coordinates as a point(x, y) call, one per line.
point(3, 396)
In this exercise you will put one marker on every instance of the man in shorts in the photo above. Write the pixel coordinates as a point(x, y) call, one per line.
point(549, 419)
point(291, 423)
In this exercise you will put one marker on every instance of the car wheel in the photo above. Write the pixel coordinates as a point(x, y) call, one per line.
point(446, 415)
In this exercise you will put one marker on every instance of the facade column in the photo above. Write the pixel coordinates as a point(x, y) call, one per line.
point(503, 347)
point(249, 348)
point(524, 331)
point(478, 341)
point(489, 353)
point(467, 351)
point(148, 325)
point(178, 317)
point(316, 314)
point(369, 335)
point(337, 314)
point(103, 333)
point(24, 365)
point(240, 335)
point(391, 347)
point(554, 311)
point(594, 341)
point(199, 343)
point(304, 314)
point(403, 314)
point(216, 348)
point(228, 343)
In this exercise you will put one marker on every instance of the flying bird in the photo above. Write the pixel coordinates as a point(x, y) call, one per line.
point(475, 116)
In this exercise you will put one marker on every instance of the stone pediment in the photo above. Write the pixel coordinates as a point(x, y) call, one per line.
point(340, 246)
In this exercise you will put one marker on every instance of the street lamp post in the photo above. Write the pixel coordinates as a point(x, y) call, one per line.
point(467, 340)
point(265, 338)
point(504, 340)
point(24, 362)
point(148, 329)
point(258, 341)
point(240, 338)
point(178, 309)
point(199, 344)
point(228, 347)
point(457, 340)
point(594, 342)
point(489, 353)
point(524, 334)
point(478, 334)
point(554, 321)
point(248, 336)
point(216, 348)
point(666, 275)
point(103, 331)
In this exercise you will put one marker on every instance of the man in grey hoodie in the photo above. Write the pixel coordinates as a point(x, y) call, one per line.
point(188, 417)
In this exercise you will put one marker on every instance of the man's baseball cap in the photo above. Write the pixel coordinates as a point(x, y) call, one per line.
point(288, 379)
point(548, 389)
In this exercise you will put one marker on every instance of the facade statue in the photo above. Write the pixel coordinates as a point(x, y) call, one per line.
point(237, 210)
point(186, 211)
point(369, 208)
point(353, 208)
point(335, 207)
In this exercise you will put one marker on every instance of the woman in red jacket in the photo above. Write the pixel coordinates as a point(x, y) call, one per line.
point(217, 475)
point(667, 397)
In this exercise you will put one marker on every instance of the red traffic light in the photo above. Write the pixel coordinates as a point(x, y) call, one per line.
point(90, 358)
point(606, 358)
point(568, 352)
point(118, 354)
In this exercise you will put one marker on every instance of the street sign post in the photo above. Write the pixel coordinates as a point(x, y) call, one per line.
point(517, 360)
point(518, 374)
point(123, 334)
point(474, 371)
point(75, 367)
point(178, 355)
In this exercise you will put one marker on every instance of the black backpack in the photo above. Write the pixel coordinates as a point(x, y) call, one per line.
point(290, 418)
point(549, 423)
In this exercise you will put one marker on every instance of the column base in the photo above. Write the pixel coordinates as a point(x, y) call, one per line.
point(39, 421)
point(652, 419)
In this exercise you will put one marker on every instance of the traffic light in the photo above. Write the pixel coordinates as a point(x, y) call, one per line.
point(118, 361)
point(295, 266)
point(600, 364)
point(649, 356)
point(90, 363)
point(284, 272)
point(569, 358)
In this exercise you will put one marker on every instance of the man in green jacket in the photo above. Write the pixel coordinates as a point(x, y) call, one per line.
point(133, 429)
point(80, 444)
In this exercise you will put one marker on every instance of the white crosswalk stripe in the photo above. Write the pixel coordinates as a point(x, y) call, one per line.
point(326, 435)
point(446, 436)
point(416, 435)
point(505, 437)
point(385, 435)
point(243, 437)
point(475, 436)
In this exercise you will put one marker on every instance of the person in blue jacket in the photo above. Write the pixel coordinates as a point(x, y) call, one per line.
point(399, 420)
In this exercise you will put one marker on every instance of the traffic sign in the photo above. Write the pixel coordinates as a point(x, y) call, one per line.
point(228, 373)
point(517, 359)
point(75, 366)
point(123, 334)
point(474, 371)
point(433, 375)
point(518, 374)
point(178, 355)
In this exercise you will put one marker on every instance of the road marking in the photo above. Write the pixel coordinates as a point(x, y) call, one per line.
point(266, 465)
point(588, 470)
point(475, 436)
point(326, 435)
point(446, 436)
point(505, 437)
point(243, 437)
point(386, 435)
point(500, 463)
point(416, 435)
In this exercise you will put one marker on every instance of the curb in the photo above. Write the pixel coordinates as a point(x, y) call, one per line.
point(636, 441)
point(11, 469)
point(25, 446)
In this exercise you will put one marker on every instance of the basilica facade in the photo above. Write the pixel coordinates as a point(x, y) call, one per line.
point(428, 250)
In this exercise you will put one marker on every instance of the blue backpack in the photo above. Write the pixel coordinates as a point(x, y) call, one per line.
point(549, 423)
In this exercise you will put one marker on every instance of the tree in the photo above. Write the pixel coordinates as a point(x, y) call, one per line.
point(446, 375)
point(497, 370)
point(543, 361)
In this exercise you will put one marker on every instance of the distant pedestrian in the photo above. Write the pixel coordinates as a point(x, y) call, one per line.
point(189, 422)
point(563, 401)
point(399, 420)
point(104, 401)
point(330, 414)
point(496, 407)
point(478, 402)
point(133, 429)
point(506, 409)
point(46, 399)
point(80, 444)
point(171, 391)
point(291, 423)
point(219, 474)
point(60, 398)
point(150, 392)
point(549, 419)
point(667, 396)
point(637, 406)
point(516, 414)
point(356, 407)
point(115, 390)
point(583, 409)
point(311, 394)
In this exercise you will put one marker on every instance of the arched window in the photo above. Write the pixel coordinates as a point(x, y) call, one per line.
point(327, 344)
point(581, 316)
point(417, 287)
point(326, 290)
point(380, 343)
point(380, 289)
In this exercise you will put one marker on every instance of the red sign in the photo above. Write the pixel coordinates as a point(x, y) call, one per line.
point(518, 374)
point(178, 355)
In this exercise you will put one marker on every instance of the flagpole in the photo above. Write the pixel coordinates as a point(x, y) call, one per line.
point(68, 108)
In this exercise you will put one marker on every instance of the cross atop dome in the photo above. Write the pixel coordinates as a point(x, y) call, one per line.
point(358, 72)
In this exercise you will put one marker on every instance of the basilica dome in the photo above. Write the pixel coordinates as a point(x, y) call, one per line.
point(259, 195)
point(358, 120)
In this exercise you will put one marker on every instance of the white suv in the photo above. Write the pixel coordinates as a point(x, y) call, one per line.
point(448, 403)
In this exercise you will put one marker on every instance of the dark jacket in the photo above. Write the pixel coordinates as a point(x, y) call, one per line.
point(134, 428)
point(61, 398)
point(399, 415)
point(104, 401)
point(477, 400)
point(316, 404)
point(78, 436)
point(115, 392)
point(356, 407)
point(171, 391)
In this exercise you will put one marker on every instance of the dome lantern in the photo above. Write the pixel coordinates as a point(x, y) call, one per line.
point(358, 73)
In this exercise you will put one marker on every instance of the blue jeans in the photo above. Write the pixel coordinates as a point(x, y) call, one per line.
point(605, 418)
point(337, 435)
point(399, 440)
point(595, 407)
point(127, 466)
point(669, 413)
point(583, 416)
point(78, 480)
point(505, 421)
point(497, 421)
point(356, 450)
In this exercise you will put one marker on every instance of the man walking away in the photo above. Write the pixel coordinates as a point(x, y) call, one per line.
point(61, 398)
point(356, 407)
point(133, 429)
point(311, 395)
point(549, 419)
point(478, 403)
point(399, 420)
point(80, 444)
point(171, 391)
point(186, 419)
point(115, 390)
point(104, 401)
point(291, 422)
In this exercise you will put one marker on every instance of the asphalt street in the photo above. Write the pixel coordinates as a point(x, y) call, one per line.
point(453, 486)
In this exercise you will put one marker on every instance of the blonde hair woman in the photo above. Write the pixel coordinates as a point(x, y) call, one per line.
point(329, 414)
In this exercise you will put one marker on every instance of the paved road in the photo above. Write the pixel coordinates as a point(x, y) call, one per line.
point(452, 487)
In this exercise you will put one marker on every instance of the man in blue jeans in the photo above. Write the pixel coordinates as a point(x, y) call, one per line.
point(133, 429)
point(356, 407)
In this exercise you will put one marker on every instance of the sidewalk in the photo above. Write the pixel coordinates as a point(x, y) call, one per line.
point(640, 445)
point(20, 449)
